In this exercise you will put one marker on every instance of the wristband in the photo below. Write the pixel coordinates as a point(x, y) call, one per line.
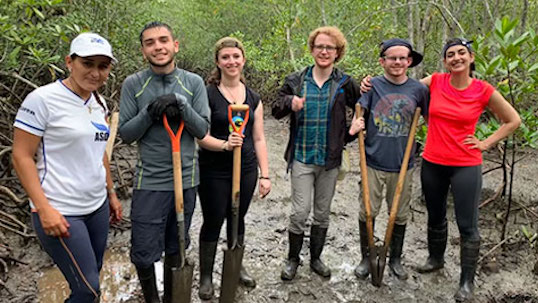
point(264, 178)
point(112, 190)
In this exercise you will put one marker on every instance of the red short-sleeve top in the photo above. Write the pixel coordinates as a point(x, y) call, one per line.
point(453, 114)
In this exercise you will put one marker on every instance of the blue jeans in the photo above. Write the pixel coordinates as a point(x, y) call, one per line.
point(80, 256)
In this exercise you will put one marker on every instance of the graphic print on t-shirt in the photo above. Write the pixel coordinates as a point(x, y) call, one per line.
point(392, 115)
point(102, 133)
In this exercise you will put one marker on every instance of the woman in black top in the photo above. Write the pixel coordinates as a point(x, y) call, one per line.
point(226, 86)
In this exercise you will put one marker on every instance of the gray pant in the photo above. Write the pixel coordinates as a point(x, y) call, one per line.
point(378, 179)
point(311, 183)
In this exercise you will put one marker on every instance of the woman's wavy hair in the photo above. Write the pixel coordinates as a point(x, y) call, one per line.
point(215, 76)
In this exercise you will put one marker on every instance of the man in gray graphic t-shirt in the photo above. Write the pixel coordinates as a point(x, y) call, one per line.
point(389, 107)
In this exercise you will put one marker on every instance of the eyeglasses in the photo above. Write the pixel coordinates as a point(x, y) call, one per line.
point(394, 59)
point(328, 48)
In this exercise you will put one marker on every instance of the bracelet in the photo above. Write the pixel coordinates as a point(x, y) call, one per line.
point(112, 190)
point(264, 178)
point(224, 146)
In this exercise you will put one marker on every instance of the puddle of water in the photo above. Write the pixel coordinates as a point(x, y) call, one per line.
point(118, 280)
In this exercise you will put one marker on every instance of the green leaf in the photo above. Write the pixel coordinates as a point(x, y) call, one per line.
point(533, 67)
point(38, 13)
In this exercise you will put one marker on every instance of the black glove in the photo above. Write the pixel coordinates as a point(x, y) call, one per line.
point(157, 107)
point(172, 112)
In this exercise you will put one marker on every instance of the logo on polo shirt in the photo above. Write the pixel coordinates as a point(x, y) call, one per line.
point(102, 133)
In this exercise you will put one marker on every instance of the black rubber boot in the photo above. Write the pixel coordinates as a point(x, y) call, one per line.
point(170, 261)
point(148, 284)
point(362, 271)
point(437, 237)
point(317, 241)
point(207, 260)
point(469, 251)
point(290, 269)
point(244, 278)
point(396, 245)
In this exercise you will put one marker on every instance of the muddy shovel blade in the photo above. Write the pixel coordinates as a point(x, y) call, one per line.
point(182, 284)
point(380, 257)
point(230, 273)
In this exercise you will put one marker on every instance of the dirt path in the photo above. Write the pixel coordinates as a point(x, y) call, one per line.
point(266, 238)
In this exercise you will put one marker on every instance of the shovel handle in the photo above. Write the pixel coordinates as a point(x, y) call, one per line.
point(236, 172)
point(364, 182)
point(175, 139)
point(401, 178)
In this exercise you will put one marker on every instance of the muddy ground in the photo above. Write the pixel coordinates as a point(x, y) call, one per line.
point(505, 275)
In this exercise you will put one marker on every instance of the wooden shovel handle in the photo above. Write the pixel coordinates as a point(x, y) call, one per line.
point(175, 139)
point(364, 182)
point(401, 178)
point(114, 118)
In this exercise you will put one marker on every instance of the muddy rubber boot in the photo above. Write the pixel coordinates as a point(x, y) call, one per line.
point(396, 245)
point(362, 271)
point(244, 278)
point(317, 241)
point(207, 260)
point(290, 269)
point(437, 237)
point(469, 251)
point(170, 261)
point(148, 284)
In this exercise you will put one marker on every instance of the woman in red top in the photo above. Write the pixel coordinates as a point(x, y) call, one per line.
point(453, 156)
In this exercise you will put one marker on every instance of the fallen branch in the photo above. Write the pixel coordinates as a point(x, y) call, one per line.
point(494, 248)
point(532, 212)
point(20, 233)
point(6, 257)
point(12, 195)
point(494, 197)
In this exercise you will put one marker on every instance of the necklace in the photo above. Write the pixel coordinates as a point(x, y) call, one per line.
point(234, 100)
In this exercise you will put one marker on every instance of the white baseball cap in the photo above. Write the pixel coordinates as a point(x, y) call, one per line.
point(91, 44)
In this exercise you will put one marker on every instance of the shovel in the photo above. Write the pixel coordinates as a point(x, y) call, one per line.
point(366, 200)
point(233, 256)
point(182, 273)
point(378, 262)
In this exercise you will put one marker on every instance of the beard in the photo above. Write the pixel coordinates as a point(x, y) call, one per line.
point(155, 64)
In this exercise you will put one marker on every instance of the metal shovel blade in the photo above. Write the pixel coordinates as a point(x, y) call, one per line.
point(230, 273)
point(182, 282)
point(377, 265)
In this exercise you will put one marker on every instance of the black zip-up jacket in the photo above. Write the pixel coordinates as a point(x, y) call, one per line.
point(344, 91)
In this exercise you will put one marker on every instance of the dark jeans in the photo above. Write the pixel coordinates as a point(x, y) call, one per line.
point(80, 256)
point(154, 224)
point(216, 199)
point(465, 183)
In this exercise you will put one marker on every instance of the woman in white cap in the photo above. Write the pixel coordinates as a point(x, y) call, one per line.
point(71, 191)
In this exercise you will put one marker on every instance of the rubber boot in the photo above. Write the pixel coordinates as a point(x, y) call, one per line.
point(290, 269)
point(170, 261)
point(362, 271)
point(207, 260)
point(244, 278)
point(437, 237)
point(317, 241)
point(469, 251)
point(148, 284)
point(396, 245)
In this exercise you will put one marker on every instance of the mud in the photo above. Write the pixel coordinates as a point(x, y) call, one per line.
point(506, 275)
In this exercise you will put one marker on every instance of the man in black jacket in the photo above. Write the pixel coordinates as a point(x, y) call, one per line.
point(316, 100)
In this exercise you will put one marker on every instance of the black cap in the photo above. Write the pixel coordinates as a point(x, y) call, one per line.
point(457, 41)
point(417, 57)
